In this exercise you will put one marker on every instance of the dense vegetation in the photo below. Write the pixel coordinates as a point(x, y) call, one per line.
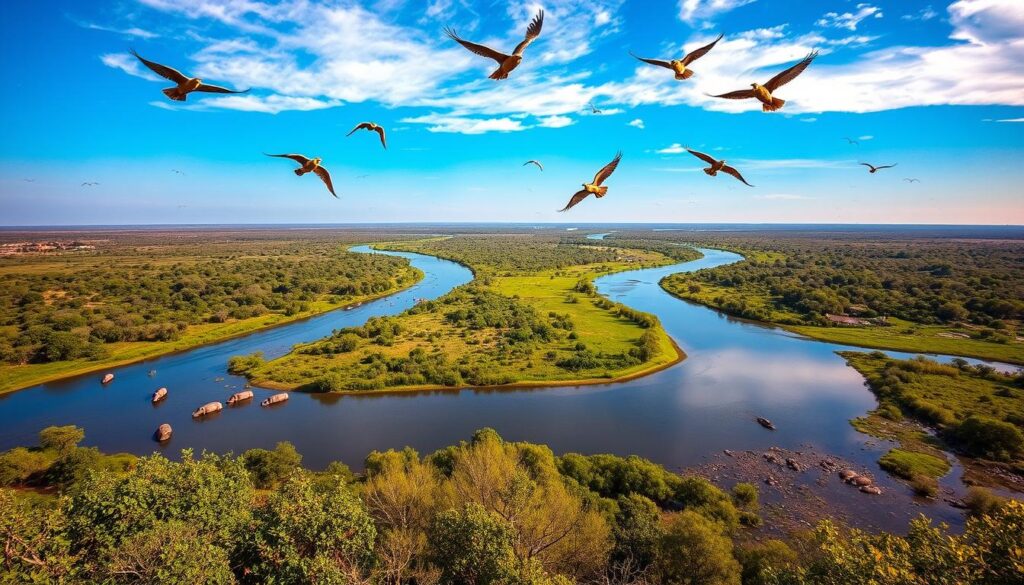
point(482, 512)
point(506, 253)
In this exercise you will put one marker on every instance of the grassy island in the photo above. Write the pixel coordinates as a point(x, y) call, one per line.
point(530, 317)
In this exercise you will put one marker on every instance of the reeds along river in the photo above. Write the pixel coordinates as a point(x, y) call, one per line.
point(678, 417)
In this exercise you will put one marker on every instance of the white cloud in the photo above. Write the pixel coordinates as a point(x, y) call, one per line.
point(461, 125)
point(691, 11)
point(674, 148)
point(782, 196)
point(808, 119)
point(865, 137)
point(133, 31)
point(1011, 120)
point(926, 13)
point(129, 65)
point(637, 123)
point(269, 104)
point(850, 20)
point(556, 122)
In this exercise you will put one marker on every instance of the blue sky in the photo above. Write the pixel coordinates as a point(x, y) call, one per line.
point(934, 86)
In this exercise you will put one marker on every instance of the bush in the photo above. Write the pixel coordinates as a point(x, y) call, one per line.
point(19, 465)
point(991, 438)
point(695, 549)
point(924, 486)
point(270, 468)
point(243, 364)
point(61, 439)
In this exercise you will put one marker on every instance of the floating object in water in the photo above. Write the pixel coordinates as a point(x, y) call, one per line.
point(847, 475)
point(163, 432)
point(159, 395)
point(861, 481)
point(239, 397)
point(208, 408)
point(871, 489)
point(152, 373)
point(275, 399)
point(107, 379)
point(765, 423)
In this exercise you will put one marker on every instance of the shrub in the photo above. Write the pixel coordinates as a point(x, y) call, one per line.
point(991, 438)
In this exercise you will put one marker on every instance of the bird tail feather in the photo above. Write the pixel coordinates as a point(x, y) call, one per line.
point(776, 105)
point(601, 191)
point(300, 172)
point(687, 74)
point(710, 171)
point(174, 94)
point(498, 74)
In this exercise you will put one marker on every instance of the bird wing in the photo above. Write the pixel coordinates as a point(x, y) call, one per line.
point(576, 198)
point(326, 178)
point(790, 74)
point(867, 165)
point(218, 89)
point(359, 126)
point(383, 140)
point(740, 94)
point(704, 157)
point(698, 53)
point(162, 70)
point(478, 49)
point(295, 157)
point(536, 162)
point(657, 62)
point(607, 170)
point(887, 166)
point(532, 32)
point(732, 171)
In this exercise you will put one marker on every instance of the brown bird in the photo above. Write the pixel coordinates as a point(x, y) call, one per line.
point(873, 169)
point(372, 128)
point(309, 165)
point(506, 63)
point(535, 162)
point(763, 93)
point(595, 187)
point(718, 165)
point(186, 85)
point(680, 66)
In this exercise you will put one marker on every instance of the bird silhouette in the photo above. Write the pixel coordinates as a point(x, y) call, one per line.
point(177, 172)
point(850, 140)
point(506, 63)
point(372, 128)
point(89, 184)
point(681, 66)
point(873, 169)
point(595, 187)
point(536, 162)
point(718, 165)
point(185, 84)
point(763, 93)
point(912, 180)
point(309, 165)
point(593, 108)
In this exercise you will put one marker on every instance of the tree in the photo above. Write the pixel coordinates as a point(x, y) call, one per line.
point(472, 546)
point(61, 439)
point(637, 532)
point(270, 468)
point(695, 551)
point(168, 552)
point(990, 438)
point(32, 538)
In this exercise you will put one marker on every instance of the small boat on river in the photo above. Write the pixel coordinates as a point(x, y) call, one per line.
point(766, 423)
point(163, 433)
point(159, 395)
point(208, 408)
point(107, 379)
point(275, 399)
point(239, 397)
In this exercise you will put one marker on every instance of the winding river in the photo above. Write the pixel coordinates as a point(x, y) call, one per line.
point(679, 417)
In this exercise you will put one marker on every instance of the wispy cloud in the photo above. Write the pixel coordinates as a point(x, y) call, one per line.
point(850, 20)
point(268, 104)
point(793, 163)
point(782, 196)
point(555, 122)
point(691, 11)
point(674, 148)
point(637, 123)
point(128, 64)
point(131, 31)
point(926, 13)
point(1011, 120)
point(463, 125)
point(865, 137)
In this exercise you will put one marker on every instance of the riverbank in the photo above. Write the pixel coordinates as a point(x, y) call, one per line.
point(13, 378)
point(509, 329)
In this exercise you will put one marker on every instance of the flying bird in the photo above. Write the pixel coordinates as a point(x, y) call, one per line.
point(536, 162)
point(718, 165)
point(186, 85)
point(681, 66)
point(595, 187)
point(309, 165)
point(593, 108)
point(850, 140)
point(506, 63)
point(177, 172)
point(89, 184)
point(873, 169)
point(912, 180)
point(763, 93)
point(372, 128)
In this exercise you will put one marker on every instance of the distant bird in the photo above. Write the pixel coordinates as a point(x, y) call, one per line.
point(177, 172)
point(718, 165)
point(506, 63)
point(309, 165)
point(850, 140)
point(595, 187)
point(593, 109)
point(29, 180)
point(90, 184)
point(186, 85)
point(681, 66)
point(763, 93)
point(912, 180)
point(372, 128)
point(873, 169)
point(536, 162)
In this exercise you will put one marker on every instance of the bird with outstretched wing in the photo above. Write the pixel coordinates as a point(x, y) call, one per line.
point(372, 127)
point(310, 165)
point(184, 84)
point(873, 169)
point(506, 63)
point(718, 166)
point(763, 93)
point(534, 162)
point(681, 66)
point(595, 187)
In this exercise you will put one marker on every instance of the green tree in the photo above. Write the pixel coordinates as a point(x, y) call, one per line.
point(695, 551)
point(472, 546)
point(270, 468)
point(167, 552)
point(61, 439)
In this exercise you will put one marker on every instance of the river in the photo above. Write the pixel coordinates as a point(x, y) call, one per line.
point(683, 416)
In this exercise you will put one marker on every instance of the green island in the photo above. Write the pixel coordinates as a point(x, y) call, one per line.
point(484, 511)
point(930, 408)
point(115, 298)
point(915, 294)
point(531, 317)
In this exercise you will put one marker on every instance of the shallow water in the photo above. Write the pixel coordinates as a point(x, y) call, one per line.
point(679, 417)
